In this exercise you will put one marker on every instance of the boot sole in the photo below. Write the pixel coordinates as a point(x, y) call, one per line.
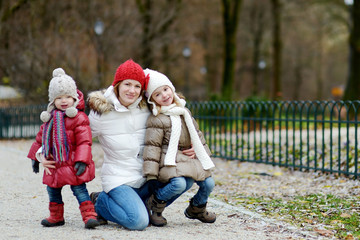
point(158, 225)
point(190, 217)
point(92, 224)
point(46, 223)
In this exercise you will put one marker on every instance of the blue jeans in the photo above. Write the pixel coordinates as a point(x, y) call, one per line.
point(205, 188)
point(125, 206)
point(79, 191)
point(170, 191)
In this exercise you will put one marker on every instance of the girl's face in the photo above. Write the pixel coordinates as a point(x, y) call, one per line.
point(129, 90)
point(163, 96)
point(63, 102)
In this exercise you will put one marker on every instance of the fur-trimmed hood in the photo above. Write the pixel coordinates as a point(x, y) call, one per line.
point(104, 101)
point(98, 102)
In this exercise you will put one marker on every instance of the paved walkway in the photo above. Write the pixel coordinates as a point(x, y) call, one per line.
point(24, 203)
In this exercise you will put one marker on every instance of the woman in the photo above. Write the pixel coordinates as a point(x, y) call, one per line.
point(118, 117)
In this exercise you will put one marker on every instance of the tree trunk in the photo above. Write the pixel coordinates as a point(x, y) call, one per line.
point(154, 29)
point(277, 49)
point(257, 30)
point(145, 11)
point(231, 12)
point(352, 90)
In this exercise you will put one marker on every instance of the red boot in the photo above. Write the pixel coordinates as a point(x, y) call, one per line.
point(56, 215)
point(88, 214)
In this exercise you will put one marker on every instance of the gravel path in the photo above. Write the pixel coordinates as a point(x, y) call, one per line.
point(24, 202)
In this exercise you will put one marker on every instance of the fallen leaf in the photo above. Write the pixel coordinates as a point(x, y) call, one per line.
point(349, 237)
point(326, 233)
point(308, 220)
point(345, 215)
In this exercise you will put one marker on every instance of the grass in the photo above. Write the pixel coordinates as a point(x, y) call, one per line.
point(328, 215)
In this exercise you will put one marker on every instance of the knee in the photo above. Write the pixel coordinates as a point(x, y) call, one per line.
point(209, 183)
point(178, 184)
point(140, 223)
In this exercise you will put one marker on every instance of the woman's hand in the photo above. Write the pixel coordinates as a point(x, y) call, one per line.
point(190, 152)
point(47, 164)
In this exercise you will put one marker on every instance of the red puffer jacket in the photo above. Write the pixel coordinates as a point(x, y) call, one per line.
point(79, 132)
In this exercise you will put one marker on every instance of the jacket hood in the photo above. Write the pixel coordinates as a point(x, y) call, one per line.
point(98, 102)
point(81, 104)
point(105, 101)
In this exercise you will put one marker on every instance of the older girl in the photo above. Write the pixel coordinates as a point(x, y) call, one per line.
point(170, 130)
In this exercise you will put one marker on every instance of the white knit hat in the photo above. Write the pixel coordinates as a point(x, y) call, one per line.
point(157, 80)
point(61, 84)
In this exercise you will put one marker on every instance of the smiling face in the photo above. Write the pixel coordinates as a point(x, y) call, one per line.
point(163, 96)
point(63, 102)
point(128, 91)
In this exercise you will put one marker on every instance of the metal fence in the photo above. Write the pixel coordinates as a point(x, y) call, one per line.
point(20, 122)
point(303, 135)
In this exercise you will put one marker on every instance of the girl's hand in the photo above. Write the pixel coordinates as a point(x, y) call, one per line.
point(47, 164)
point(190, 152)
point(47, 171)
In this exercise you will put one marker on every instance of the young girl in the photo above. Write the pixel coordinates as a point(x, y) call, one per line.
point(170, 130)
point(63, 145)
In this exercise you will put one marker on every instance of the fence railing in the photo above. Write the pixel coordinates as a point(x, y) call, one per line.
point(20, 122)
point(304, 135)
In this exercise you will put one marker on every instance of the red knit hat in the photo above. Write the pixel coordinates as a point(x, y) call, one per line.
point(130, 70)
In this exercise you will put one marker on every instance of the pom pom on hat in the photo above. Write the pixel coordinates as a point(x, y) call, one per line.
point(130, 70)
point(45, 116)
point(156, 80)
point(60, 84)
point(71, 112)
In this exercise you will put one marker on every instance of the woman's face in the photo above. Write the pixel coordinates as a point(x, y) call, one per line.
point(129, 91)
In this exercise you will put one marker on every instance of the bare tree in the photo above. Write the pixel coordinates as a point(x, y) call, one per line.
point(277, 49)
point(156, 23)
point(352, 90)
point(231, 12)
point(257, 13)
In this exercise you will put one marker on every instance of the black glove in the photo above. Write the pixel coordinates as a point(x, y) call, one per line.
point(153, 183)
point(35, 166)
point(80, 167)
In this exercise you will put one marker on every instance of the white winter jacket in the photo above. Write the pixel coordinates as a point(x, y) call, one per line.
point(121, 133)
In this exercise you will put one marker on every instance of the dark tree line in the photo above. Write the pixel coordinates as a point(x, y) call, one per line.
point(264, 48)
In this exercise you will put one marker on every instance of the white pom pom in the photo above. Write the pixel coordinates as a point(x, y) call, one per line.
point(71, 112)
point(58, 72)
point(154, 110)
point(45, 116)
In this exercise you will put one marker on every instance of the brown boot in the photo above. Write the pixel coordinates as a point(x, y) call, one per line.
point(93, 197)
point(155, 207)
point(200, 213)
point(56, 215)
point(88, 214)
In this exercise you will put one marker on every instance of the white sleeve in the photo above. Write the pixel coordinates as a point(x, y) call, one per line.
point(37, 154)
point(94, 124)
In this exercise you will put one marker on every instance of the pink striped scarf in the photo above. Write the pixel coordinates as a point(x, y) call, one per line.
point(54, 138)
